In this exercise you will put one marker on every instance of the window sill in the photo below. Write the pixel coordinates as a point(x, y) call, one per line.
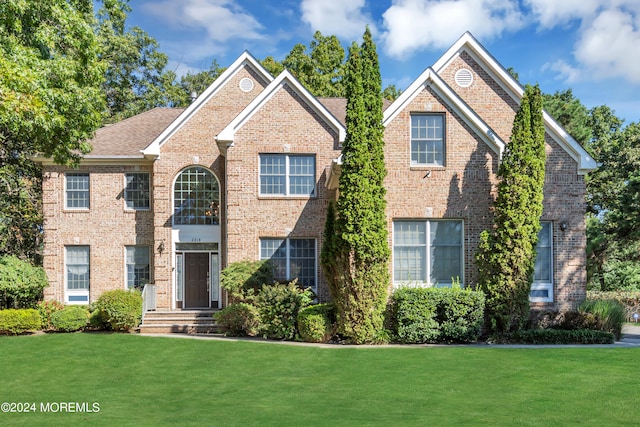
point(427, 168)
point(281, 197)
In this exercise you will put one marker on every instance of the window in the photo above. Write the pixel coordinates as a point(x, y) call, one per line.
point(136, 192)
point(287, 175)
point(427, 252)
point(77, 274)
point(77, 190)
point(196, 197)
point(427, 139)
point(291, 258)
point(542, 286)
point(137, 266)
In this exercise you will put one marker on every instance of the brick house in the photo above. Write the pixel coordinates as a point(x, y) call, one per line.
point(171, 196)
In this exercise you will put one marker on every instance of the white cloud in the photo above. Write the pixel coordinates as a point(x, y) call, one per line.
point(344, 18)
point(566, 71)
point(551, 13)
point(412, 25)
point(222, 20)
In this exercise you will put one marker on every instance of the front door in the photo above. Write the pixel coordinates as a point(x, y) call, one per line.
point(196, 280)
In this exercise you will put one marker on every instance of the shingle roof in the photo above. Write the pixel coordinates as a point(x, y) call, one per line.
point(128, 137)
point(338, 107)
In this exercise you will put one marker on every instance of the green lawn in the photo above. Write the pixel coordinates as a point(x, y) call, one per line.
point(170, 381)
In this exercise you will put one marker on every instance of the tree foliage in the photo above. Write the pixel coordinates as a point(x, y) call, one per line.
point(360, 276)
point(506, 254)
point(569, 112)
point(50, 103)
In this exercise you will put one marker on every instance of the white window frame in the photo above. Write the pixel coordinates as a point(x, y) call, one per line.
point(287, 242)
point(127, 264)
point(66, 191)
point(126, 192)
point(287, 175)
point(426, 139)
point(76, 296)
point(544, 285)
point(427, 245)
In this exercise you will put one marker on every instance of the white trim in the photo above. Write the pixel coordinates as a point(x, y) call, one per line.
point(246, 59)
point(287, 190)
point(76, 292)
point(284, 79)
point(71, 208)
point(545, 286)
point(429, 79)
point(124, 193)
point(467, 43)
point(288, 255)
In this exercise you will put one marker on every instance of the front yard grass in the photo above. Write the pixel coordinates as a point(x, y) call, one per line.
point(156, 381)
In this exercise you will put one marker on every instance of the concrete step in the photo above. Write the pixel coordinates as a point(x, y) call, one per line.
point(179, 321)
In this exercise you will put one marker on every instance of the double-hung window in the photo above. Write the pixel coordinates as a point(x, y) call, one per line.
point(77, 190)
point(542, 286)
point(287, 175)
point(137, 190)
point(427, 252)
point(291, 258)
point(77, 272)
point(427, 140)
point(137, 266)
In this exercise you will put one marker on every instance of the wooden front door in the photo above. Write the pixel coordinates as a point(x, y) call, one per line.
point(196, 280)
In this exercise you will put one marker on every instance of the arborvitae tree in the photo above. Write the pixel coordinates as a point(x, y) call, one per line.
point(506, 254)
point(360, 247)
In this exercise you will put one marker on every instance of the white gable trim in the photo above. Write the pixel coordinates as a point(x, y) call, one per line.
point(246, 59)
point(467, 43)
point(429, 78)
point(285, 78)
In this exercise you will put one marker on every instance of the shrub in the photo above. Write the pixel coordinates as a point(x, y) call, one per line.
point(70, 319)
point(315, 323)
point(428, 315)
point(243, 279)
point(629, 299)
point(278, 306)
point(121, 310)
point(21, 284)
point(609, 313)
point(239, 320)
point(46, 309)
point(18, 321)
point(554, 336)
point(567, 320)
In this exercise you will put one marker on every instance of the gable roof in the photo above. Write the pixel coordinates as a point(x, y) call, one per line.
point(246, 59)
point(429, 78)
point(284, 79)
point(467, 43)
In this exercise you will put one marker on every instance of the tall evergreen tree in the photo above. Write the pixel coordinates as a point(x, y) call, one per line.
point(361, 251)
point(506, 254)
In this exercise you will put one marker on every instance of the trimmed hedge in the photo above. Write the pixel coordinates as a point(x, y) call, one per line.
point(46, 309)
point(629, 299)
point(119, 310)
point(18, 321)
point(430, 315)
point(21, 284)
point(238, 320)
point(315, 323)
point(70, 319)
point(278, 306)
point(244, 279)
point(554, 336)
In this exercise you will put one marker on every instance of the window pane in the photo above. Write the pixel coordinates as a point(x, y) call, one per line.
point(77, 190)
point(196, 197)
point(302, 258)
point(446, 251)
point(77, 267)
point(409, 251)
point(302, 175)
point(272, 174)
point(137, 191)
point(427, 139)
point(137, 263)
point(544, 258)
point(275, 250)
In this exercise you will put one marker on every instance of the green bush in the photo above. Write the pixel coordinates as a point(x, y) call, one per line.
point(554, 336)
point(239, 320)
point(70, 319)
point(610, 314)
point(120, 310)
point(428, 315)
point(46, 309)
point(243, 279)
point(21, 284)
point(278, 306)
point(315, 323)
point(18, 321)
point(629, 299)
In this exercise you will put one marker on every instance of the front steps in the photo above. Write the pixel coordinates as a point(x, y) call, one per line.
point(179, 321)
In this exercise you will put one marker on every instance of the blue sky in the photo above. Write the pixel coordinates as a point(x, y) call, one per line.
point(590, 46)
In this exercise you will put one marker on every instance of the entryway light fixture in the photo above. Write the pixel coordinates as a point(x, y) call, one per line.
point(161, 247)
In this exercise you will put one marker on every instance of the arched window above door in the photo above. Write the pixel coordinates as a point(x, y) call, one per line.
point(196, 197)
